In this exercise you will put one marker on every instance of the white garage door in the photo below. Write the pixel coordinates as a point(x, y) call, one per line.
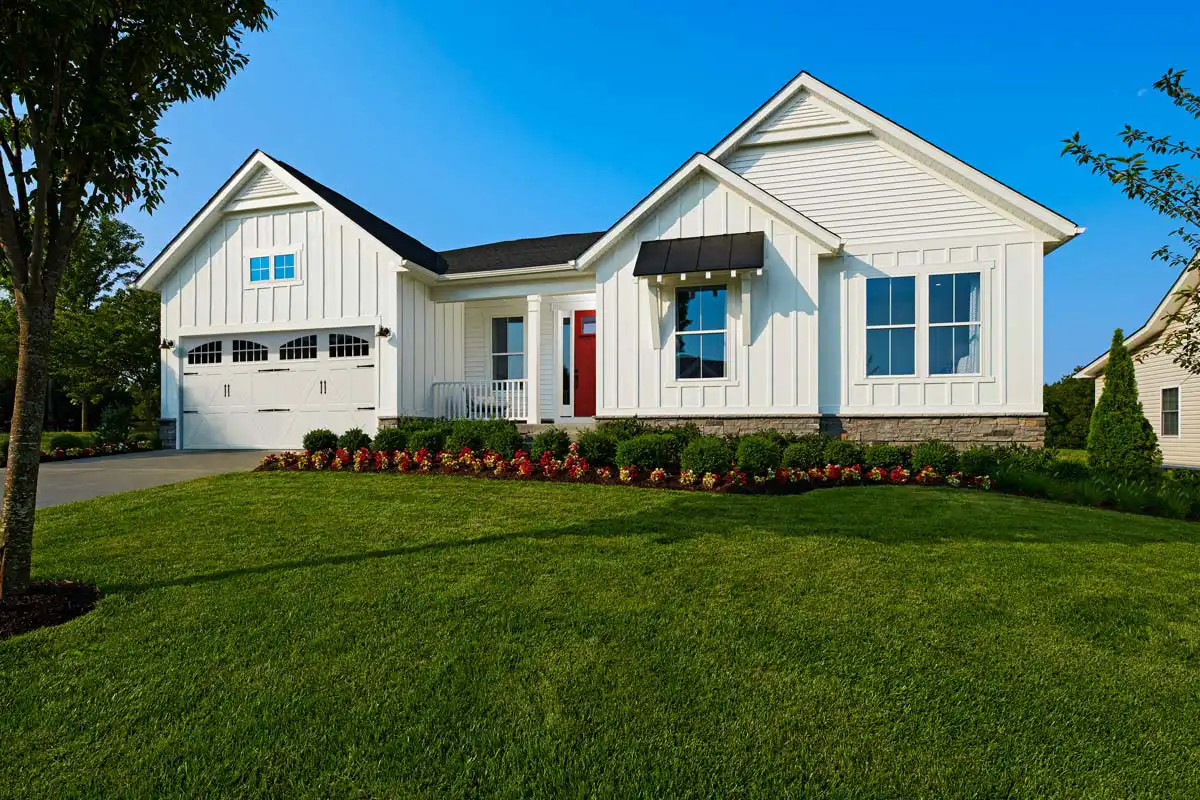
point(265, 391)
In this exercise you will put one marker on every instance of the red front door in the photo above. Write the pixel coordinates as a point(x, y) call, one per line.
point(585, 363)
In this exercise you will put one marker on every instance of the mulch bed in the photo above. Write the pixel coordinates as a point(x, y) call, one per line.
point(44, 605)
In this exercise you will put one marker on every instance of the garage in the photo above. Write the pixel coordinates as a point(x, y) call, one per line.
point(266, 390)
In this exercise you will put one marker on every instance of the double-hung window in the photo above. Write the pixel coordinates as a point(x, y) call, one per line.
point(1170, 411)
point(508, 348)
point(954, 302)
point(891, 326)
point(700, 333)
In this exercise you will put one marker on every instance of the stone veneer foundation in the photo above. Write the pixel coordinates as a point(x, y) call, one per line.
point(166, 433)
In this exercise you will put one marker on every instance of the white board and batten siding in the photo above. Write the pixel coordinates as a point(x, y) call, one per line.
point(772, 371)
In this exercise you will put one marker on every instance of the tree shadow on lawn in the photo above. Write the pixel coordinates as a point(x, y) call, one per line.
point(939, 516)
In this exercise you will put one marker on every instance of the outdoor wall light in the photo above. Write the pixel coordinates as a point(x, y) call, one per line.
point(383, 332)
point(166, 344)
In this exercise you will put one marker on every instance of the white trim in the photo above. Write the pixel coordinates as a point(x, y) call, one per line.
point(279, 327)
point(827, 242)
point(1178, 412)
point(1048, 220)
point(568, 267)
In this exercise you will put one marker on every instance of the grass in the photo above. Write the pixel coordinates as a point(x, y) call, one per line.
point(316, 635)
point(1074, 455)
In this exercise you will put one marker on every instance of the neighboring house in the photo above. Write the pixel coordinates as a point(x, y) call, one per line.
point(1170, 394)
point(821, 268)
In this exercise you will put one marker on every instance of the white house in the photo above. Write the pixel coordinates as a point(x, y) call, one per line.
point(1170, 394)
point(822, 268)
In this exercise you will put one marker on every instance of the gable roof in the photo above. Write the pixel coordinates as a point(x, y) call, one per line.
point(829, 241)
point(518, 253)
point(1050, 222)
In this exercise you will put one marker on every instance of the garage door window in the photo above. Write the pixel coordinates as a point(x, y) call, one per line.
point(343, 345)
point(244, 351)
point(302, 347)
point(207, 353)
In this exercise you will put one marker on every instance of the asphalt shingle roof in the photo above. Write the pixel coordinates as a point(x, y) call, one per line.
point(536, 252)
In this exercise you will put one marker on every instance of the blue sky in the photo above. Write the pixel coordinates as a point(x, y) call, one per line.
point(469, 122)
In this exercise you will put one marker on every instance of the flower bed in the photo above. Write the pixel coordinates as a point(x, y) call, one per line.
point(574, 469)
point(120, 448)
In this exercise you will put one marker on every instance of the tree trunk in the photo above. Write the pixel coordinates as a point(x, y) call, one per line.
point(24, 446)
point(83, 415)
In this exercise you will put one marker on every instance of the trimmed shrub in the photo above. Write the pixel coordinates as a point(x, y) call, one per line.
point(432, 439)
point(706, 454)
point(66, 441)
point(757, 455)
point(941, 456)
point(806, 452)
point(683, 434)
point(320, 439)
point(503, 439)
point(886, 456)
point(1120, 440)
point(843, 451)
point(979, 461)
point(597, 449)
point(115, 423)
point(1026, 458)
point(354, 439)
point(389, 440)
point(466, 433)
point(556, 440)
point(646, 452)
point(621, 429)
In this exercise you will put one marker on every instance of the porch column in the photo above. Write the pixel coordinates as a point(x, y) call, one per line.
point(533, 338)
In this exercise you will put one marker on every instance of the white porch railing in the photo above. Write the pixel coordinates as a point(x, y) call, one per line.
point(481, 399)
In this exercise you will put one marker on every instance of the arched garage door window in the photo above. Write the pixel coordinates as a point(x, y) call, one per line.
point(244, 351)
point(207, 353)
point(343, 345)
point(302, 347)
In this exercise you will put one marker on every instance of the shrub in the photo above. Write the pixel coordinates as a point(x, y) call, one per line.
point(941, 456)
point(1174, 501)
point(432, 439)
point(683, 434)
point(1026, 458)
point(140, 436)
point(354, 439)
point(597, 449)
point(468, 433)
point(1132, 496)
point(320, 439)
point(1182, 477)
point(806, 452)
point(646, 452)
point(115, 422)
point(1089, 493)
point(1121, 440)
point(845, 452)
point(1070, 471)
point(389, 440)
point(706, 454)
point(621, 429)
point(979, 461)
point(503, 439)
point(556, 440)
point(886, 456)
point(68, 440)
point(758, 455)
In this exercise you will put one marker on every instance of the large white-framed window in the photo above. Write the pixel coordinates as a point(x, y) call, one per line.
point(1169, 425)
point(273, 266)
point(891, 326)
point(508, 348)
point(701, 333)
point(955, 301)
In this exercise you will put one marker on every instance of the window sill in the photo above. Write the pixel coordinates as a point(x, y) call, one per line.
point(272, 283)
point(683, 383)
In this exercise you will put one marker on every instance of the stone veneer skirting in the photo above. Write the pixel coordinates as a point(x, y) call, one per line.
point(166, 433)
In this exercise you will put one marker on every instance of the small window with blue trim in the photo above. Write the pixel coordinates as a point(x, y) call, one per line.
point(260, 268)
point(285, 267)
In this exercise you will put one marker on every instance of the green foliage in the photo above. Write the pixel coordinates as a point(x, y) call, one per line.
point(389, 440)
point(979, 461)
point(621, 429)
point(354, 439)
point(1068, 404)
point(556, 440)
point(683, 434)
point(648, 451)
point(806, 452)
point(1121, 441)
point(503, 439)
point(757, 455)
point(943, 457)
point(845, 452)
point(115, 423)
point(320, 439)
point(473, 433)
point(432, 439)
point(65, 441)
point(706, 454)
point(886, 456)
point(1036, 459)
point(597, 449)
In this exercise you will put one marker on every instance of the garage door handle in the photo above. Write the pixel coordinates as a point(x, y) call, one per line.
point(272, 410)
point(366, 366)
point(277, 369)
point(366, 408)
point(191, 412)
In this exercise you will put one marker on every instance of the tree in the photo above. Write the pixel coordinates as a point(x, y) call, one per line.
point(1068, 405)
point(1120, 440)
point(83, 86)
point(1152, 173)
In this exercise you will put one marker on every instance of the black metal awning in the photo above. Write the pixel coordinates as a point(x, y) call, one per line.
point(700, 254)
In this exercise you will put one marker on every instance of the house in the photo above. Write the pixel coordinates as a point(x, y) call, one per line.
point(1170, 394)
point(820, 268)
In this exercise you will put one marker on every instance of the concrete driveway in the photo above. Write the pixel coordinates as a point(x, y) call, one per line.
point(67, 481)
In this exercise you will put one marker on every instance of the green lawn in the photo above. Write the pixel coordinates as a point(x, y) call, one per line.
point(317, 635)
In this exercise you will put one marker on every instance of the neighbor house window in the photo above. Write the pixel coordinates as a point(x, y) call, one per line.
point(207, 353)
point(300, 348)
point(343, 345)
point(260, 268)
point(954, 324)
point(1170, 411)
point(248, 351)
point(891, 326)
point(285, 267)
point(508, 348)
point(700, 330)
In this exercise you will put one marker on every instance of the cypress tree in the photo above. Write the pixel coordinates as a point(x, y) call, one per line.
point(1120, 440)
